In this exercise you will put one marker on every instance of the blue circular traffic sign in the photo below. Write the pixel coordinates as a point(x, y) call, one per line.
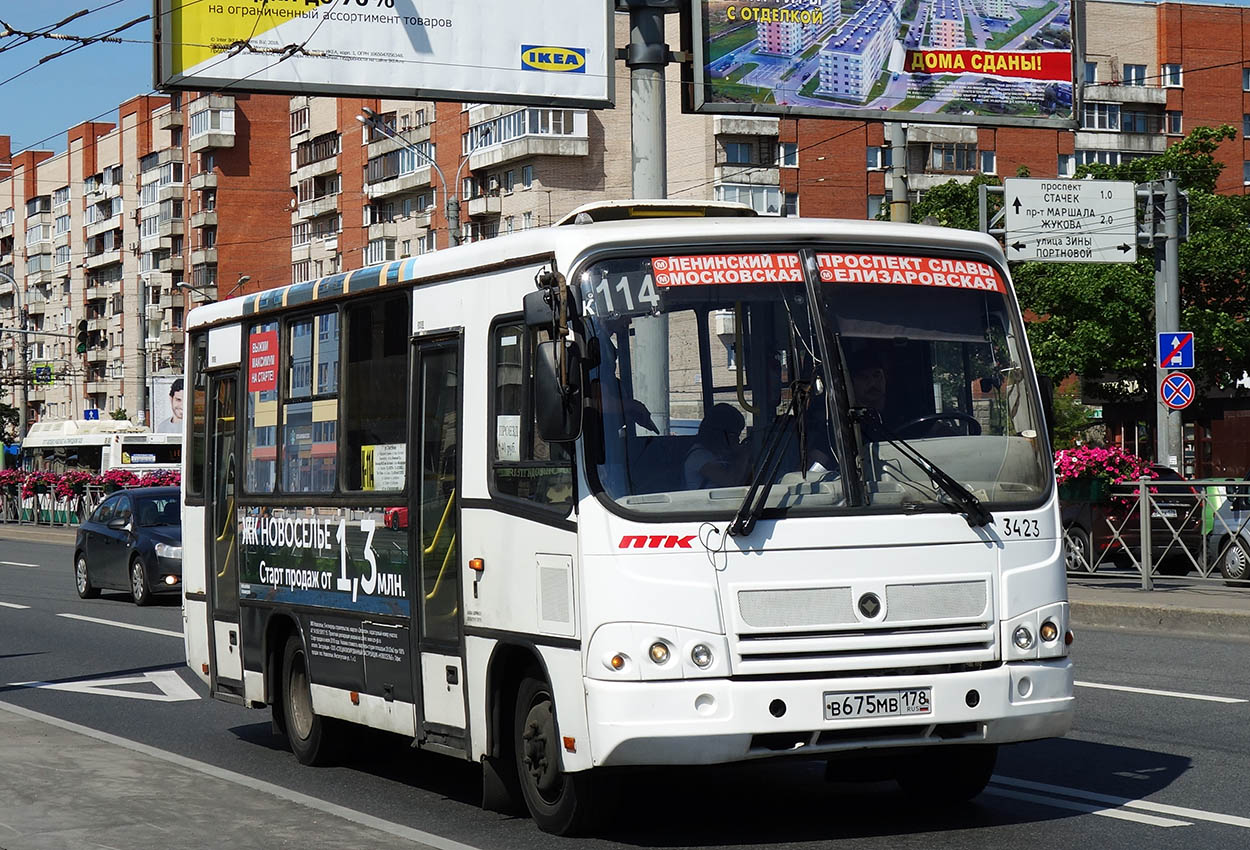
point(1177, 390)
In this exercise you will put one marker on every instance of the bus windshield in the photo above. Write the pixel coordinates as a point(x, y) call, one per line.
point(705, 361)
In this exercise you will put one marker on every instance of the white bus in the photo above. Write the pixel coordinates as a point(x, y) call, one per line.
point(460, 497)
point(98, 446)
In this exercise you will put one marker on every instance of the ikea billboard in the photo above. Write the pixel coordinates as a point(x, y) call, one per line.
point(997, 62)
point(550, 52)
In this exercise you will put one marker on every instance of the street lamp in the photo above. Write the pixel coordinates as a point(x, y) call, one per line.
point(182, 284)
point(451, 200)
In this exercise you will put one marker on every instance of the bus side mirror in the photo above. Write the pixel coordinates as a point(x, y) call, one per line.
point(557, 403)
point(538, 313)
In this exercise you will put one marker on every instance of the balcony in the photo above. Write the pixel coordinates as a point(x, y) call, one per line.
point(485, 205)
point(1147, 143)
point(320, 168)
point(385, 144)
point(753, 175)
point(170, 227)
point(1153, 95)
point(204, 256)
point(99, 228)
point(729, 125)
point(170, 264)
point(34, 249)
point(525, 147)
point(204, 218)
point(98, 387)
point(315, 207)
point(383, 230)
point(411, 182)
point(169, 120)
point(59, 239)
point(97, 293)
point(103, 259)
point(99, 323)
point(97, 355)
point(35, 394)
point(203, 180)
point(171, 336)
point(36, 307)
point(169, 193)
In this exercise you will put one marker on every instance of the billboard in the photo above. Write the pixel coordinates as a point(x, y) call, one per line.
point(549, 52)
point(994, 62)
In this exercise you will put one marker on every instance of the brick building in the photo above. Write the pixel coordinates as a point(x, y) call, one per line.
point(189, 197)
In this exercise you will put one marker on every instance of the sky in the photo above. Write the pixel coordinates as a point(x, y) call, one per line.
point(38, 107)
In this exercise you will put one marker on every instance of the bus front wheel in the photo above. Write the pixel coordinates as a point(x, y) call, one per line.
point(943, 775)
point(309, 735)
point(560, 803)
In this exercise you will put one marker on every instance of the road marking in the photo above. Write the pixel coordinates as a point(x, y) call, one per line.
point(121, 625)
point(13, 605)
point(169, 683)
point(1058, 803)
point(17, 564)
point(1128, 802)
point(1155, 693)
point(398, 830)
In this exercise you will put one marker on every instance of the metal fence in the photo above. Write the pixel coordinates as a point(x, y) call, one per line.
point(1198, 529)
point(46, 508)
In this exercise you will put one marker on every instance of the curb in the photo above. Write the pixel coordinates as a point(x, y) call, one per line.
point(1205, 622)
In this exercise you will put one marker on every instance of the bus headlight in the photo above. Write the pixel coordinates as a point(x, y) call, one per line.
point(1023, 637)
point(647, 652)
point(165, 550)
point(659, 652)
point(701, 655)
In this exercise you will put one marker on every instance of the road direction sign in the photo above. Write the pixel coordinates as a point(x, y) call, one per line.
point(1177, 390)
point(1176, 350)
point(1070, 221)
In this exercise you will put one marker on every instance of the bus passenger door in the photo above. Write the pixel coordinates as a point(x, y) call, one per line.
point(434, 503)
point(225, 649)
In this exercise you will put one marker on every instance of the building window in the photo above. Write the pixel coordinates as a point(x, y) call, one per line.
point(1245, 173)
point(1091, 73)
point(315, 150)
point(739, 153)
point(1140, 121)
point(875, 203)
point(1174, 121)
point(989, 162)
point(527, 176)
point(952, 156)
point(1134, 75)
point(379, 251)
point(1097, 157)
point(790, 205)
point(878, 157)
point(765, 200)
point(299, 120)
point(527, 220)
point(788, 155)
point(212, 121)
point(1172, 75)
point(1245, 79)
point(525, 122)
point(1100, 116)
point(1245, 126)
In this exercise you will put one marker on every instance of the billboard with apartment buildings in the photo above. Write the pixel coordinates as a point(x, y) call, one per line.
point(549, 52)
point(945, 61)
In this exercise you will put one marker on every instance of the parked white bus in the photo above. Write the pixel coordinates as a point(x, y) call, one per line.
point(643, 492)
point(98, 446)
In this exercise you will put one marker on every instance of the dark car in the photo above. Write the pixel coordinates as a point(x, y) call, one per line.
point(1176, 528)
point(132, 541)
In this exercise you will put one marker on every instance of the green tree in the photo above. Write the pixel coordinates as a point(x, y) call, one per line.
point(8, 423)
point(119, 413)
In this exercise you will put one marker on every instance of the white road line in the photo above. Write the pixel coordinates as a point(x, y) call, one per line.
point(1156, 693)
point(121, 625)
point(398, 830)
point(17, 564)
point(13, 605)
point(1128, 802)
point(1059, 803)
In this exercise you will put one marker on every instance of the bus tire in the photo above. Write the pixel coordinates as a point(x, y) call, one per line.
point(948, 774)
point(560, 803)
point(82, 580)
point(309, 735)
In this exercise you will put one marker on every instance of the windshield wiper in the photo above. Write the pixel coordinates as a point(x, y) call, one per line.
point(969, 505)
point(770, 459)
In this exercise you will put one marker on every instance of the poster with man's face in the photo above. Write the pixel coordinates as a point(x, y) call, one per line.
point(167, 405)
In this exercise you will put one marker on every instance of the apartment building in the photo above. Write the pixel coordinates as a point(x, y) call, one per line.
point(193, 197)
point(122, 233)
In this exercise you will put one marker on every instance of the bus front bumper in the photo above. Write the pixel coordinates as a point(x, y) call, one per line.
point(713, 721)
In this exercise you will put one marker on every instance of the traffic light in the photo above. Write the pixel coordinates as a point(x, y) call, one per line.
point(82, 337)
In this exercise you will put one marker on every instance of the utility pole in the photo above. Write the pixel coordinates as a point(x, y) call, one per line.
point(646, 56)
point(900, 206)
point(22, 401)
point(1167, 315)
point(143, 349)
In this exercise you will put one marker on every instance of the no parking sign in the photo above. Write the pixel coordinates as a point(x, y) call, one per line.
point(1177, 390)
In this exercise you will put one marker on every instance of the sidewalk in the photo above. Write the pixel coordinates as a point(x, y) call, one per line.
point(66, 787)
point(1210, 608)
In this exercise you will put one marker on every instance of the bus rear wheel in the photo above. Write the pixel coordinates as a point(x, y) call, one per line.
point(560, 803)
point(944, 775)
point(310, 736)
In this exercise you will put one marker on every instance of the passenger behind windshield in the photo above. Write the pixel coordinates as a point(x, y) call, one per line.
point(718, 457)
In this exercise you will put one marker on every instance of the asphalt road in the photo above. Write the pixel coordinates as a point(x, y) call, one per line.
point(1141, 769)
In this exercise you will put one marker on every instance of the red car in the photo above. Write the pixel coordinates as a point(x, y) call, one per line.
point(395, 518)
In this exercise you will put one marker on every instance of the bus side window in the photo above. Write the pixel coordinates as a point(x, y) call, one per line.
point(199, 424)
point(523, 465)
point(375, 369)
